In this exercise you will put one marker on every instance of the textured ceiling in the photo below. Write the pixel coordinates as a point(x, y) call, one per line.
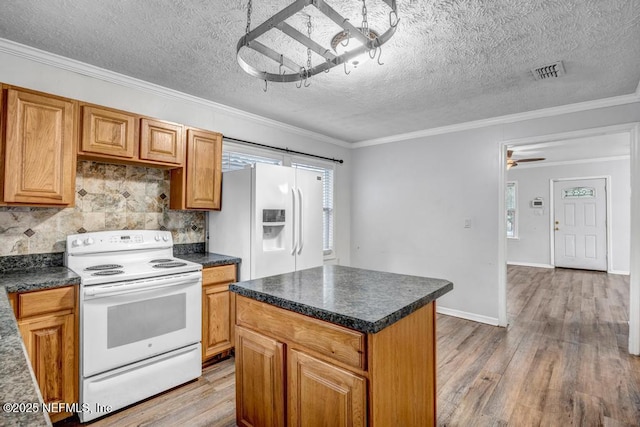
point(451, 61)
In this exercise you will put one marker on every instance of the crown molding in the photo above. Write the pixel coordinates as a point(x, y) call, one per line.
point(68, 64)
point(509, 118)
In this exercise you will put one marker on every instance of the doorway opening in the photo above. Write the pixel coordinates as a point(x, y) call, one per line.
point(568, 143)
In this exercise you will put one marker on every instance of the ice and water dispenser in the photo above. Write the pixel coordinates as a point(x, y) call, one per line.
point(273, 221)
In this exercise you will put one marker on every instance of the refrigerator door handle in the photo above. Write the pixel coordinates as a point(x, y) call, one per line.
point(294, 242)
point(300, 222)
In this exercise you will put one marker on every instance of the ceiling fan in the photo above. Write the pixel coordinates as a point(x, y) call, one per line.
point(514, 162)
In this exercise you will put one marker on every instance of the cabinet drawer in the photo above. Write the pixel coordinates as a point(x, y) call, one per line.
point(221, 274)
point(337, 342)
point(47, 301)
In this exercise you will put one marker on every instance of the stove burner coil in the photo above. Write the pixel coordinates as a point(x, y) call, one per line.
point(170, 264)
point(103, 267)
point(107, 273)
point(161, 260)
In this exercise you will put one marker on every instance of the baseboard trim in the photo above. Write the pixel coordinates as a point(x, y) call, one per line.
point(530, 264)
point(493, 321)
point(620, 272)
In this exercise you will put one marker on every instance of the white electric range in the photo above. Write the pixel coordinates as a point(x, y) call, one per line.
point(140, 317)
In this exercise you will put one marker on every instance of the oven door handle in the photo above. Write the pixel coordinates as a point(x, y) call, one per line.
point(102, 290)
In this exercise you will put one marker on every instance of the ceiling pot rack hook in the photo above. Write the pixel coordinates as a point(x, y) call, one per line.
point(302, 70)
point(379, 47)
point(265, 85)
point(345, 69)
point(280, 70)
point(393, 14)
point(306, 79)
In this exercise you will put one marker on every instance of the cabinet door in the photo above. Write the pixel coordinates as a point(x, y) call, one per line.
point(161, 141)
point(259, 380)
point(50, 344)
point(216, 320)
point(108, 132)
point(321, 394)
point(40, 154)
point(218, 310)
point(204, 169)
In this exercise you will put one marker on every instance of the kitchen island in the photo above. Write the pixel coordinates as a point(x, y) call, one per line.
point(336, 346)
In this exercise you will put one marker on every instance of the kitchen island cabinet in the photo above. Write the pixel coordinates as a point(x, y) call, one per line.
point(336, 346)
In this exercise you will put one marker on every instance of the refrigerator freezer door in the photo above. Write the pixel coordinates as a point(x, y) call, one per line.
point(309, 222)
point(273, 221)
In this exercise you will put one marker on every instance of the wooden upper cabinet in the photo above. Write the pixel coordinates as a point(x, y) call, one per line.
point(161, 141)
point(108, 132)
point(198, 184)
point(39, 165)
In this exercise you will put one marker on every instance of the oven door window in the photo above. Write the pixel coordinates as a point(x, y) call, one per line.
point(141, 320)
point(120, 329)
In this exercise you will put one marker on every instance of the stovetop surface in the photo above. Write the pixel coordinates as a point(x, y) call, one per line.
point(111, 256)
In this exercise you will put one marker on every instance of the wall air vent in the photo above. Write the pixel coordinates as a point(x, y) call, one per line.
point(548, 71)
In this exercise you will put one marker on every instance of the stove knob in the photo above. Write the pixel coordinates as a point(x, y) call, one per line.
point(76, 243)
point(165, 238)
point(88, 241)
point(157, 237)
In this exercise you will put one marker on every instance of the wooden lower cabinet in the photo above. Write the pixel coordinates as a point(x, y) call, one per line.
point(260, 380)
point(321, 394)
point(327, 375)
point(218, 320)
point(47, 323)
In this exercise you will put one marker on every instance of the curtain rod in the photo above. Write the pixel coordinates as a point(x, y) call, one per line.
point(286, 150)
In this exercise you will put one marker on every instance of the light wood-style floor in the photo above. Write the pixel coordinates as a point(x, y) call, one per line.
point(562, 361)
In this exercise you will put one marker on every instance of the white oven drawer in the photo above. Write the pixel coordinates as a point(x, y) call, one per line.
point(132, 383)
point(119, 329)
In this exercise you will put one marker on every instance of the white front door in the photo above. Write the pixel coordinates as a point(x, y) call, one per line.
point(580, 224)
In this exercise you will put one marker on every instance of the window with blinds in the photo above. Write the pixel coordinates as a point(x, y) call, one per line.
point(232, 160)
point(327, 203)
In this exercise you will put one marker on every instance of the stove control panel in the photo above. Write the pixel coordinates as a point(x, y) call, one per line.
point(108, 241)
point(127, 239)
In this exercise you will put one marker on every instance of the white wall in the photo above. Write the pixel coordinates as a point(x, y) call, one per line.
point(410, 200)
point(533, 243)
point(78, 81)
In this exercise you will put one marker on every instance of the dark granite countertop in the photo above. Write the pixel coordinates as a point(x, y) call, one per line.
point(208, 259)
point(37, 279)
point(365, 300)
point(17, 382)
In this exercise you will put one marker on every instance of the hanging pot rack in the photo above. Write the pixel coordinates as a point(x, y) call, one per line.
point(299, 72)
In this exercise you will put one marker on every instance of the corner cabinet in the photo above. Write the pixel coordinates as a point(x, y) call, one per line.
point(47, 323)
point(198, 185)
point(295, 370)
point(39, 149)
point(218, 304)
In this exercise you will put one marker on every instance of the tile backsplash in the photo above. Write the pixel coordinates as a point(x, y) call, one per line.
point(108, 197)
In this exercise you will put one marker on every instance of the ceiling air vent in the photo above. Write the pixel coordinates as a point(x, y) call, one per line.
point(548, 71)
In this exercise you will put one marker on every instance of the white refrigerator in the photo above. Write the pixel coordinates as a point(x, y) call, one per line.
point(271, 217)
